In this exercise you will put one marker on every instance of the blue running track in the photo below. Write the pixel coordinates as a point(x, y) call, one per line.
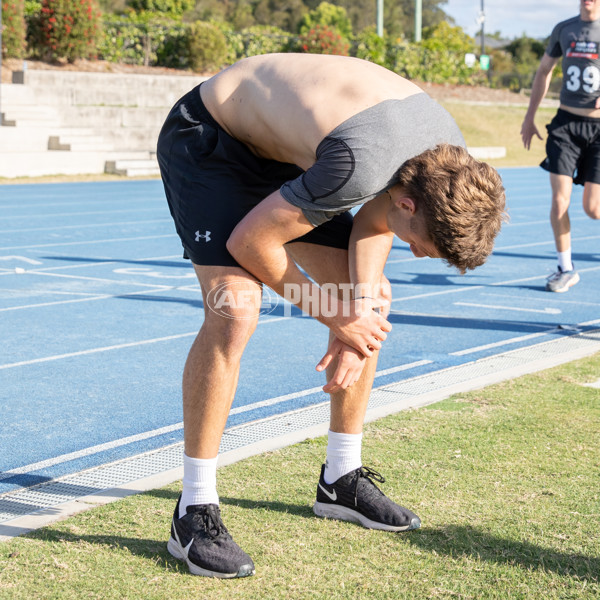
point(98, 311)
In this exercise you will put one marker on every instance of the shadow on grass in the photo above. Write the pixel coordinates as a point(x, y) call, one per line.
point(470, 542)
point(453, 540)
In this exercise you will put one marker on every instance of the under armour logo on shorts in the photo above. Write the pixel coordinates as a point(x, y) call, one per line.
point(206, 236)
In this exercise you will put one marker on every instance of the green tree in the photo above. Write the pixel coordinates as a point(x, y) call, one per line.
point(371, 47)
point(70, 29)
point(284, 14)
point(526, 49)
point(439, 58)
point(398, 16)
point(207, 47)
point(329, 16)
point(526, 54)
point(175, 7)
point(13, 25)
point(321, 39)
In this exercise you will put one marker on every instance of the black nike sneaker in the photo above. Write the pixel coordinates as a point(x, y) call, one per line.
point(201, 540)
point(355, 497)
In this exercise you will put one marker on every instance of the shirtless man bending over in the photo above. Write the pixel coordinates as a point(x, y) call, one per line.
point(261, 164)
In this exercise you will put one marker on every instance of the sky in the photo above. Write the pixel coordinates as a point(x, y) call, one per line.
point(512, 18)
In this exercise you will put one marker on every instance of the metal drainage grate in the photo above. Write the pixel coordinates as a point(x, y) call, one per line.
point(295, 425)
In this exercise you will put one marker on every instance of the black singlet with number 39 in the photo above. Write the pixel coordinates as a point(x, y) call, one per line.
point(578, 42)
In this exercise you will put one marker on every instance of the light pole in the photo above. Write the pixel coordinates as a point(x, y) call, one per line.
point(482, 21)
point(419, 19)
point(0, 64)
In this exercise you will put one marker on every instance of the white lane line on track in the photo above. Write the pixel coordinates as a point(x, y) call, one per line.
point(51, 462)
point(483, 286)
point(167, 338)
point(514, 340)
point(544, 311)
point(96, 350)
point(86, 225)
point(552, 298)
point(98, 262)
point(178, 426)
point(502, 248)
point(544, 243)
point(88, 242)
point(524, 338)
point(541, 222)
point(166, 288)
point(84, 213)
point(102, 280)
point(77, 300)
point(45, 202)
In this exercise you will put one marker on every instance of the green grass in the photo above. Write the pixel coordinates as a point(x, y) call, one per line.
point(500, 125)
point(506, 481)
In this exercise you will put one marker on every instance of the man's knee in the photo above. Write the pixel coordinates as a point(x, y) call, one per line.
point(231, 314)
point(591, 200)
point(592, 211)
point(560, 200)
point(229, 334)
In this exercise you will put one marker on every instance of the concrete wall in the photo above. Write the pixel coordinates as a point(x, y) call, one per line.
point(56, 122)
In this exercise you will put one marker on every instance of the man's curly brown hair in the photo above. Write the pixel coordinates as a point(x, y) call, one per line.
point(462, 201)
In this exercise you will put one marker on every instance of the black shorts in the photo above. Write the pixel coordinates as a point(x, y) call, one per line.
point(573, 147)
point(212, 181)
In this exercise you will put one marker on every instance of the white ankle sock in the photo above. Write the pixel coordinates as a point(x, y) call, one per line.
point(343, 455)
point(564, 260)
point(199, 482)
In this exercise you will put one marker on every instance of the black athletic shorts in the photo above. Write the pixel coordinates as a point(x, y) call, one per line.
point(573, 147)
point(212, 181)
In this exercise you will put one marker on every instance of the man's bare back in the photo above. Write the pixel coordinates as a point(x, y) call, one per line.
point(283, 105)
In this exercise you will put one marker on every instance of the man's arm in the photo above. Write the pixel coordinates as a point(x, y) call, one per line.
point(370, 244)
point(257, 244)
point(541, 83)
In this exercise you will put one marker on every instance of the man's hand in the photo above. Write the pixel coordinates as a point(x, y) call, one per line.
point(360, 326)
point(528, 130)
point(385, 295)
point(349, 367)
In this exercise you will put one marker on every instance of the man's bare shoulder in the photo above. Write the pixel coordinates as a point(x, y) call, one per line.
point(282, 105)
point(313, 71)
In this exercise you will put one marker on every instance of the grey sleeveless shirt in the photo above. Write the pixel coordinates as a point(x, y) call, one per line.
point(578, 42)
point(359, 159)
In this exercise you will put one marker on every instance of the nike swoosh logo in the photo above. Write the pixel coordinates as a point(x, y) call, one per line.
point(331, 495)
point(185, 550)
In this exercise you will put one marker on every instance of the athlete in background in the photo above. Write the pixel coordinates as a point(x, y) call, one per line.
point(573, 144)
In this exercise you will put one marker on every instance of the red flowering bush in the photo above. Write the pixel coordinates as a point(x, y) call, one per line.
point(69, 29)
point(321, 39)
point(13, 33)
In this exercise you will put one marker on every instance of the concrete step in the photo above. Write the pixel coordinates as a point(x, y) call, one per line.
point(31, 123)
point(28, 111)
point(483, 152)
point(139, 138)
point(13, 116)
point(16, 139)
point(16, 95)
point(35, 164)
point(35, 139)
point(69, 122)
point(112, 117)
point(102, 88)
point(79, 143)
point(132, 168)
